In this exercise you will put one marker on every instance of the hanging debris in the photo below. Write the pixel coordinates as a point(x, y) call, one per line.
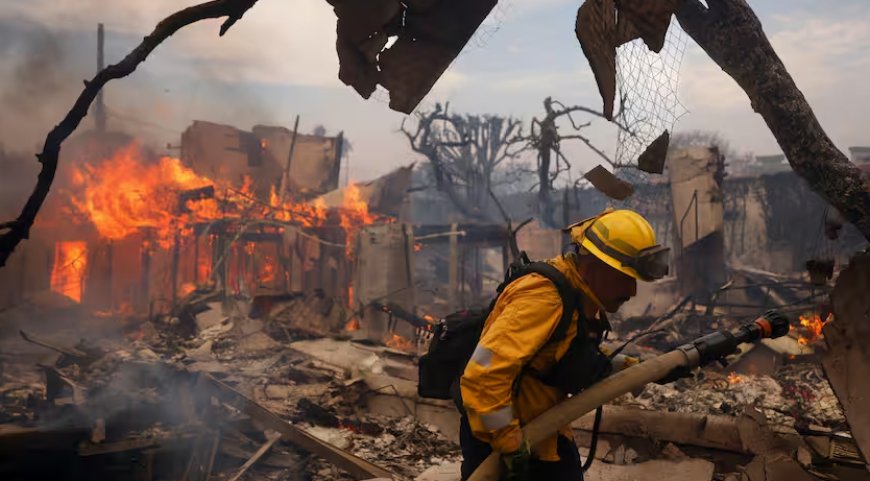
point(609, 184)
point(652, 159)
point(425, 36)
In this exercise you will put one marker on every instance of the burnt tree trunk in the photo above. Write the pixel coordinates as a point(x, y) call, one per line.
point(544, 188)
point(731, 34)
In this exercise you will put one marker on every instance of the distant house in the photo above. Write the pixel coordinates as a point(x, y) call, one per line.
point(771, 164)
point(860, 155)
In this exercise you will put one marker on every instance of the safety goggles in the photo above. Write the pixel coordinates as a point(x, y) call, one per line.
point(650, 263)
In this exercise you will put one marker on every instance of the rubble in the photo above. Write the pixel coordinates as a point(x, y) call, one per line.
point(349, 410)
point(132, 398)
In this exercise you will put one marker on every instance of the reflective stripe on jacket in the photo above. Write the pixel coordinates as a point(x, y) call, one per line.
point(524, 317)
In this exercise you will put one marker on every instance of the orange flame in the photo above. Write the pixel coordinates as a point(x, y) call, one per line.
point(734, 378)
point(128, 191)
point(185, 289)
point(812, 327)
point(68, 271)
point(125, 193)
point(353, 214)
point(303, 213)
point(352, 324)
point(268, 269)
point(398, 342)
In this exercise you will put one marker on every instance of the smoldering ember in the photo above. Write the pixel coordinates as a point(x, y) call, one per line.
point(595, 284)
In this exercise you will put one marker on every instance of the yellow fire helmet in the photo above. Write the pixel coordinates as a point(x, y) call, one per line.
point(624, 240)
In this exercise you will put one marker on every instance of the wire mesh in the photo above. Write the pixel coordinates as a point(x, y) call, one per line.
point(647, 84)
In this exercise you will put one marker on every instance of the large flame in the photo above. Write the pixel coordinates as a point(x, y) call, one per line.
point(812, 328)
point(68, 271)
point(125, 193)
point(303, 213)
point(354, 214)
point(128, 192)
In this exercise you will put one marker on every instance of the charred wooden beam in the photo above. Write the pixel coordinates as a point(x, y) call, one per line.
point(356, 466)
point(271, 439)
point(79, 355)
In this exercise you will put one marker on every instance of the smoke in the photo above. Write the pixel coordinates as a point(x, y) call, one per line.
point(37, 82)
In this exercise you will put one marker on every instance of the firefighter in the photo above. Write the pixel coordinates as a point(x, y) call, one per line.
point(515, 373)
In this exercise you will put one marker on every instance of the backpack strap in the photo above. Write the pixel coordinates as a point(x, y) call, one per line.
point(570, 303)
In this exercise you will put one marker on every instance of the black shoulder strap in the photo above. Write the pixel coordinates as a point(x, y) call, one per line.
point(570, 303)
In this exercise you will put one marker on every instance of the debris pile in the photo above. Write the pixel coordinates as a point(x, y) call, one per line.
point(796, 394)
point(234, 399)
point(273, 387)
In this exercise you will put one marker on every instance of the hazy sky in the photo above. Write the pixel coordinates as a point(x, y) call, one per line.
point(280, 60)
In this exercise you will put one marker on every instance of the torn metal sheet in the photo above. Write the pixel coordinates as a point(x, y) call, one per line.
point(607, 183)
point(650, 19)
point(428, 36)
point(595, 29)
point(846, 361)
point(652, 159)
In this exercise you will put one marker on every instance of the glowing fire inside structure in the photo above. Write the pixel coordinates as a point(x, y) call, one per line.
point(68, 271)
point(215, 232)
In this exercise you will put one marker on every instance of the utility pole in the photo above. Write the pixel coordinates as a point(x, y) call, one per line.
point(285, 179)
point(99, 106)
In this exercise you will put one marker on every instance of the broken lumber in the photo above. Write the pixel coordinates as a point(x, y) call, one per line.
point(354, 465)
point(240, 446)
point(708, 431)
point(54, 381)
point(68, 351)
point(202, 457)
point(169, 441)
point(271, 439)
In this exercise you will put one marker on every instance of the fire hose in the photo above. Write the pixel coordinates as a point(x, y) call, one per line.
point(704, 350)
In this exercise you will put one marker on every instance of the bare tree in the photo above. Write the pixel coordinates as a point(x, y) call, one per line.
point(545, 139)
point(731, 34)
point(19, 229)
point(464, 152)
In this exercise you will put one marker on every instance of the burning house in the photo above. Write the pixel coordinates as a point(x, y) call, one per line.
point(244, 213)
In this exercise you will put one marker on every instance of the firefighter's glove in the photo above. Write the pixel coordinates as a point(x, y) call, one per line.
point(516, 464)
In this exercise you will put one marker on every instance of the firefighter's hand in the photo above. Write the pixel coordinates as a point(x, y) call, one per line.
point(516, 464)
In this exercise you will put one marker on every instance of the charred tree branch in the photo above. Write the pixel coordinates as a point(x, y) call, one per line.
point(19, 229)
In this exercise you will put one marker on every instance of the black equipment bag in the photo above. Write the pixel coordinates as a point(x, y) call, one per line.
point(456, 336)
